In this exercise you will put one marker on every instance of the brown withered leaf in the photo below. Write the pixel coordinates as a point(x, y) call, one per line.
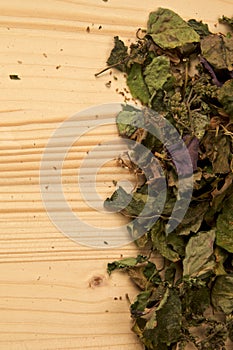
point(218, 51)
point(217, 148)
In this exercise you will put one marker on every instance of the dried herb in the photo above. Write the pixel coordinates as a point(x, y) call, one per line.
point(197, 248)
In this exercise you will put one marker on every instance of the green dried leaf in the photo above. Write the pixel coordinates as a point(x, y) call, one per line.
point(201, 28)
point(158, 73)
point(136, 84)
point(169, 30)
point(146, 276)
point(218, 51)
point(222, 293)
point(199, 254)
point(199, 123)
point(160, 242)
point(129, 120)
point(118, 54)
point(118, 201)
point(220, 257)
point(225, 97)
point(227, 20)
point(164, 327)
point(196, 300)
point(224, 232)
point(125, 263)
point(193, 218)
point(140, 304)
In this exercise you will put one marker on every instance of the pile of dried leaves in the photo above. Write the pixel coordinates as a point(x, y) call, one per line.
point(177, 304)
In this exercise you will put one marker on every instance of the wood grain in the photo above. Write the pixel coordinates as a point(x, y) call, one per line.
point(49, 297)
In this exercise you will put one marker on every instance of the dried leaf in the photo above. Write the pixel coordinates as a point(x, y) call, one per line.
point(227, 20)
point(226, 97)
point(199, 254)
point(168, 30)
point(136, 84)
point(118, 54)
point(165, 325)
point(125, 263)
point(160, 242)
point(193, 218)
point(222, 294)
point(218, 51)
point(201, 28)
point(224, 232)
point(158, 73)
point(217, 148)
point(129, 120)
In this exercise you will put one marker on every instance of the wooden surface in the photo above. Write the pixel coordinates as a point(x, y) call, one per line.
point(54, 293)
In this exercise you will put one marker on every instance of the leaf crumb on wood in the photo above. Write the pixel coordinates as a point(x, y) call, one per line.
point(14, 77)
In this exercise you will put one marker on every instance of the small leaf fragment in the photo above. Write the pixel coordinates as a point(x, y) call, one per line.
point(118, 54)
point(14, 77)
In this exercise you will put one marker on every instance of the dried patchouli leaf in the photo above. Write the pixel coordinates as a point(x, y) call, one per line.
point(129, 120)
point(199, 122)
point(227, 20)
point(220, 257)
point(222, 293)
point(135, 204)
point(160, 242)
point(218, 198)
point(125, 263)
point(218, 51)
point(192, 145)
point(196, 299)
point(193, 218)
point(164, 325)
point(158, 73)
point(225, 97)
point(168, 30)
point(217, 148)
point(224, 232)
point(199, 254)
point(145, 275)
point(118, 54)
point(137, 85)
point(201, 28)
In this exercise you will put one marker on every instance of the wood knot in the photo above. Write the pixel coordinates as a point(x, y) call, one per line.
point(97, 281)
